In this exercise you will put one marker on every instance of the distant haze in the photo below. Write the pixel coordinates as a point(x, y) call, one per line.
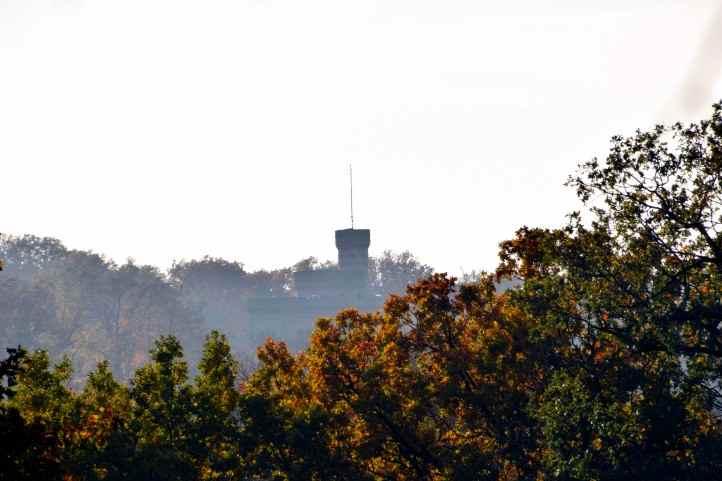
point(173, 129)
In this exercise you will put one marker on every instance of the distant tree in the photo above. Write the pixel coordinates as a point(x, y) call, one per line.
point(151, 307)
point(312, 264)
point(219, 290)
point(27, 306)
point(80, 303)
point(391, 272)
point(472, 277)
point(27, 313)
point(23, 256)
point(78, 283)
point(209, 272)
point(273, 283)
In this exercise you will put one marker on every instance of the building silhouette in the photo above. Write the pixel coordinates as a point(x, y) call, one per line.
point(319, 293)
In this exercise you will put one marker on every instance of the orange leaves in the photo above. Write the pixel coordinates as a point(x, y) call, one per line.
point(407, 387)
point(275, 353)
point(365, 348)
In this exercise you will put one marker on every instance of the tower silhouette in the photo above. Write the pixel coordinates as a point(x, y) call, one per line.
point(353, 256)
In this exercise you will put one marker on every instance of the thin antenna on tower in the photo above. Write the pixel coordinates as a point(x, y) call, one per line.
point(350, 175)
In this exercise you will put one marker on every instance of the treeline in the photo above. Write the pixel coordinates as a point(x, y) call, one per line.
point(603, 365)
point(83, 305)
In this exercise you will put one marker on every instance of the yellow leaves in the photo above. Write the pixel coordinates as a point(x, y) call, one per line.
point(100, 472)
point(206, 473)
point(411, 404)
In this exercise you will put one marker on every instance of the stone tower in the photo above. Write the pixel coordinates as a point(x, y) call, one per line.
point(353, 256)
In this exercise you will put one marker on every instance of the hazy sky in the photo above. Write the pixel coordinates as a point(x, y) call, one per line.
point(164, 130)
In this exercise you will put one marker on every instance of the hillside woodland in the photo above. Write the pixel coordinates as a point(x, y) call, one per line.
point(84, 306)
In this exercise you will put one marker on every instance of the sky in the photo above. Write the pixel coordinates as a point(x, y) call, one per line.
point(168, 130)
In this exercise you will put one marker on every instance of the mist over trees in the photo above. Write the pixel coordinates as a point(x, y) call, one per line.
point(82, 305)
point(602, 362)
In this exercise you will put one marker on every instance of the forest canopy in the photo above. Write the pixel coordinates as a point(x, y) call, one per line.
point(603, 363)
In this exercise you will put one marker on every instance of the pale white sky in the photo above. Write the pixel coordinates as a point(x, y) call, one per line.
point(164, 130)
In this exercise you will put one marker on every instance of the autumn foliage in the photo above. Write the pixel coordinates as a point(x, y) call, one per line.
point(602, 363)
